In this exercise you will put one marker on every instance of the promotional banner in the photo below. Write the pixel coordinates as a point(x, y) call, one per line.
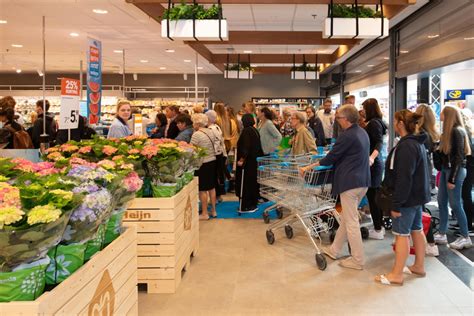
point(137, 125)
point(458, 94)
point(69, 112)
point(94, 80)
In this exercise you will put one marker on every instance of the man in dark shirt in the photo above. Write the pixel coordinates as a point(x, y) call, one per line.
point(38, 128)
point(172, 130)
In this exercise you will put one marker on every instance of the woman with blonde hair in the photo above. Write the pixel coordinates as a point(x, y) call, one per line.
point(224, 123)
point(451, 161)
point(119, 127)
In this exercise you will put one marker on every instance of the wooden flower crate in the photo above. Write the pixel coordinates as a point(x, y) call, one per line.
point(105, 285)
point(168, 236)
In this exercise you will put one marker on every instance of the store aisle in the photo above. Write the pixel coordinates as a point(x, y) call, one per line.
point(237, 273)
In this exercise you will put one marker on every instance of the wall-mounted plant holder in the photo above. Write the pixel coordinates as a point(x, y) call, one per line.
point(194, 23)
point(353, 25)
point(304, 71)
point(240, 70)
point(238, 74)
point(303, 75)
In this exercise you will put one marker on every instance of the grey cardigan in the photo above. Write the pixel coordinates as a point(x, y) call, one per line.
point(270, 137)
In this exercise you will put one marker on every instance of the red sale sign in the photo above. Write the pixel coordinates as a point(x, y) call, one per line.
point(70, 87)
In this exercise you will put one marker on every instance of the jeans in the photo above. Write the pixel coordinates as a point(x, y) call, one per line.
point(408, 221)
point(454, 198)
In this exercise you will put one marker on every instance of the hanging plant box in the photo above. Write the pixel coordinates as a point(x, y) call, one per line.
point(206, 30)
point(300, 75)
point(346, 28)
point(238, 74)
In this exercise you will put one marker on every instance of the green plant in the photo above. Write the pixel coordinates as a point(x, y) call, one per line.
point(184, 11)
point(347, 11)
point(241, 67)
point(304, 67)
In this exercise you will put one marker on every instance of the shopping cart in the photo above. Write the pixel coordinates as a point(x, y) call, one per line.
point(309, 199)
point(274, 161)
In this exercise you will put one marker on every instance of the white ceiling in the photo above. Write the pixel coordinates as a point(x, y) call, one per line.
point(125, 26)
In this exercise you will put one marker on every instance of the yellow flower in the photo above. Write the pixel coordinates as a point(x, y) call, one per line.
point(10, 215)
point(109, 177)
point(64, 194)
point(43, 214)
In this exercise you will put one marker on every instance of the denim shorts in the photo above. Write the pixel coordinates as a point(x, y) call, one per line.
point(410, 220)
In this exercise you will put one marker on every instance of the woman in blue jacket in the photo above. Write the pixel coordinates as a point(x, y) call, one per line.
point(407, 176)
point(119, 127)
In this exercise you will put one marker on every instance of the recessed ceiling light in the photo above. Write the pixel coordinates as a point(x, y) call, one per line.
point(169, 50)
point(187, 60)
point(143, 61)
point(358, 71)
point(118, 51)
point(3, 21)
point(200, 68)
point(17, 45)
point(386, 58)
point(403, 52)
point(469, 38)
point(74, 34)
point(99, 11)
point(370, 66)
point(18, 71)
point(247, 52)
point(433, 36)
point(162, 68)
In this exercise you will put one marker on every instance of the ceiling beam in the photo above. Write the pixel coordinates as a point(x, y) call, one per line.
point(276, 2)
point(205, 53)
point(280, 38)
point(153, 10)
point(273, 58)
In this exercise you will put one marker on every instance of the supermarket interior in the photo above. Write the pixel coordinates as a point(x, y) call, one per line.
point(236, 157)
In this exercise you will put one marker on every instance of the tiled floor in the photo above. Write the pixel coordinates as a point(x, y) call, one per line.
point(237, 273)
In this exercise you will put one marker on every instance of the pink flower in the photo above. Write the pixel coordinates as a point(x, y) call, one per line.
point(52, 150)
point(149, 151)
point(133, 151)
point(55, 156)
point(107, 164)
point(46, 172)
point(85, 150)
point(68, 148)
point(23, 165)
point(132, 182)
point(109, 150)
point(76, 161)
point(115, 158)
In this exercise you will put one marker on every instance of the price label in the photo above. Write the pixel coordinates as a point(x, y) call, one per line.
point(69, 114)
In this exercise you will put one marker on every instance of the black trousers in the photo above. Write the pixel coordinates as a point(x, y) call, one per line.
point(467, 193)
point(220, 172)
point(375, 211)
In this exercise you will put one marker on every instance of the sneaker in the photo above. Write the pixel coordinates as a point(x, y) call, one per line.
point(431, 250)
point(350, 264)
point(379, 235)
point(440, 239)
point(461, 243)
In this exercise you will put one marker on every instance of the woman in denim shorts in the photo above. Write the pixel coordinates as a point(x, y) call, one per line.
point(406, 173)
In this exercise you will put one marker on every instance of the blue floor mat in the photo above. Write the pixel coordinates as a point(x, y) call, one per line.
point(229, 210)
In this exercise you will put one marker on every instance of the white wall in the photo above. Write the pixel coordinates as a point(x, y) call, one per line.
point(462, 79)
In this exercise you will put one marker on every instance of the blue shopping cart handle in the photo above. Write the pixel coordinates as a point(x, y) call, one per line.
point(317, 156)
point(322, 168)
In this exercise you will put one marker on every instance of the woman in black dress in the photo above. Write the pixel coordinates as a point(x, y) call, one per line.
point(376, 129)
point(248, 149)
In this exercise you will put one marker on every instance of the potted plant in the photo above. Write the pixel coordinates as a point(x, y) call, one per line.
point(304, 72)
point(345, 19)
point(239, 71)
point(191, 22)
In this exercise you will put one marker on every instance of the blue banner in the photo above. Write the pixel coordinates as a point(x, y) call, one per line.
point(459, 94)
point(94, 80)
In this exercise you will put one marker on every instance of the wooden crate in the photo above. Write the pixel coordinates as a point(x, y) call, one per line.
point(168, 236)
point(105, 285)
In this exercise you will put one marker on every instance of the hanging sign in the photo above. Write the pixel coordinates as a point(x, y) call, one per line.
point(94, 80)
point(459, 94)
point(69, 112)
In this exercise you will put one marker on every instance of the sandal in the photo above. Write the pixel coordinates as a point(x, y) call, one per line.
point(203, 217)
point(213, 214)
point(382, 279)
point(407, 270)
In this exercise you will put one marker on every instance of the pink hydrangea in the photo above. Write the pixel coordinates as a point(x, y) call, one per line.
point(55, 156)
point(132, 182)
point(9, 195)
point(149, 151)
point(107, 164)
point(133, 151)
point(68, 148)
point(85, 150)
point(109, 150)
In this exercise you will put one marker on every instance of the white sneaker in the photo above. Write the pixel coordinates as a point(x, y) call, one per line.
point(379, 235)
point(440, 239)
point(461, 243)
point(432, 250)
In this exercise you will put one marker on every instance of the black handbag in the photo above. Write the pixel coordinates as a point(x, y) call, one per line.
point(384, 195)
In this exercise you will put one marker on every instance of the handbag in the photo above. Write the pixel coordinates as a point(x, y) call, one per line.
point(384, 195)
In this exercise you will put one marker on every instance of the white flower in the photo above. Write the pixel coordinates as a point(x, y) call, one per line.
point(60, 265)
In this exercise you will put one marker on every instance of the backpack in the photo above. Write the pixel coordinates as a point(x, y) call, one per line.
point(21, 139)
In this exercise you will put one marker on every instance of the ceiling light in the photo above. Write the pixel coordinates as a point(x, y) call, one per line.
point(118, 51)
point(386, 58)
point(200, 68)
point(18, 71)
point(143, 61)
point(74, 34)
point(169, 50)
point(3, 21)
point(403, 52)
point(187, 60)
point(358, 71)
point(469, 38)
point(162, 68)
point(99, 11)
point(370, 66)
point(17, 45)
point(433, 36)
point(247, 52)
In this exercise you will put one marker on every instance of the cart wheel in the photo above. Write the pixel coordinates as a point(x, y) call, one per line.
point(364, 231)
point(266, 218)
point(288, 231)
point(279, 212)
point(270, 237)
point(321, 262)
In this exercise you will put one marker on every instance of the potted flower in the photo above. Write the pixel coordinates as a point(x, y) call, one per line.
point(304, 72)
point(191, 22)
point(346, 19)
point(239, 71)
